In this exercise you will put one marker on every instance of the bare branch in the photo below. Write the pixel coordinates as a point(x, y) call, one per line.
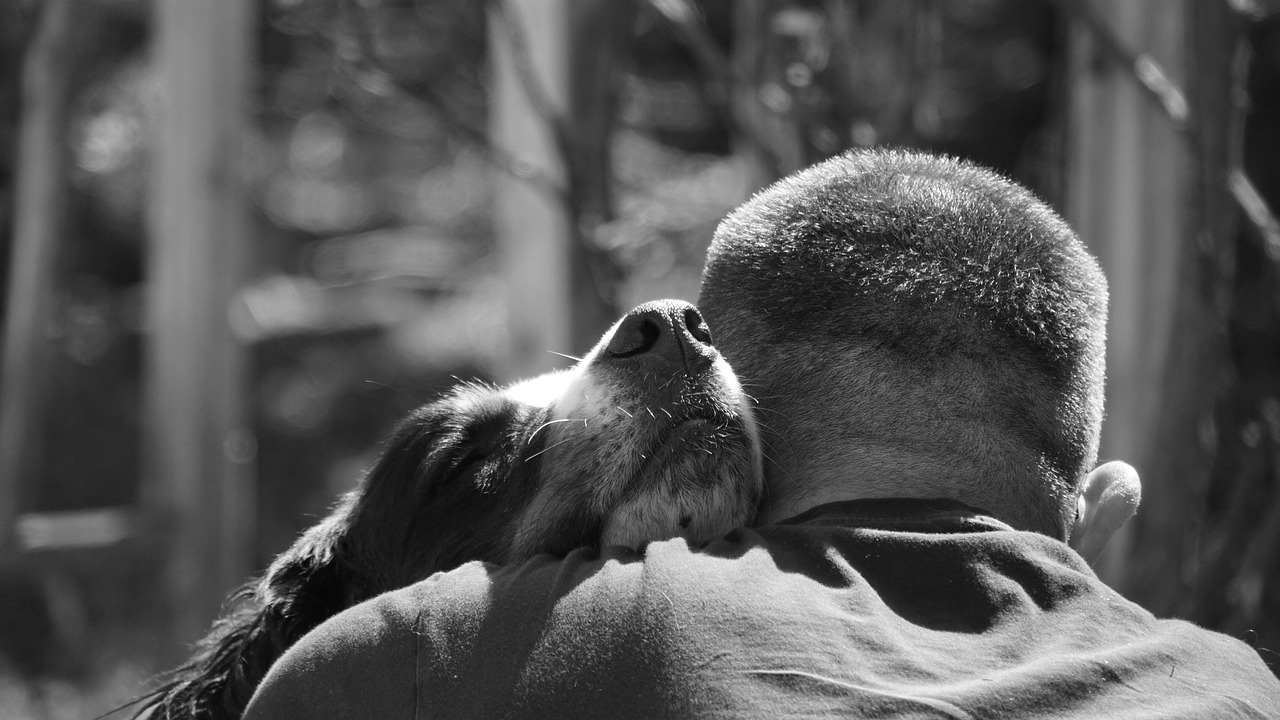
point(367, 62)
point(1144, 68)
point(1256, 209)
point(1157, 84)
point(688, 25)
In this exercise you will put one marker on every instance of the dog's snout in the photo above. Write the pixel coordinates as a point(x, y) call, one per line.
point(663, 332)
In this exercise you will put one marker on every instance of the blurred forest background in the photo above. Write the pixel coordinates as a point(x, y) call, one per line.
point(240, 239)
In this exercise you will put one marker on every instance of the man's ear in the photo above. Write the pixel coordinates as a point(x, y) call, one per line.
point(1109, 496)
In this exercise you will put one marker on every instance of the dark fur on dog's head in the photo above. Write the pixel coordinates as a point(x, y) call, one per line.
point(648, 437)
point(958, 318)
point(439, 463)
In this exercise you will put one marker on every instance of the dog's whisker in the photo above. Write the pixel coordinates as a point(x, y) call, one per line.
point(766, 426)
point(563, 355)
point(549, 423)
point(770, 454)
point(757, 398)
point(624, 411)
point(752, 386)
point(771, 411)
point(549, 447)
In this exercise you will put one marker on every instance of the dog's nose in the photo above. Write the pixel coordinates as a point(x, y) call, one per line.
point(664, 332)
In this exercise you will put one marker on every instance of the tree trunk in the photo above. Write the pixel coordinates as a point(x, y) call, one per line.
point(1238, 556)
point(1127, 192)
point(599, 30)
point(198, 447)
point(533, 228)
point(40, 204)
point(552, 113)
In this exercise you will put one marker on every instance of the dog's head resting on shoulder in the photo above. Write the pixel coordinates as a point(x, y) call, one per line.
point(648, 437)
point(913, 326)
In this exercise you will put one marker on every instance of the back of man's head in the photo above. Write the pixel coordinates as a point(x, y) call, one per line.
point(913, 326)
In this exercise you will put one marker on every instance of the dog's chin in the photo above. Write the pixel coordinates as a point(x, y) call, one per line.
point(698, 483)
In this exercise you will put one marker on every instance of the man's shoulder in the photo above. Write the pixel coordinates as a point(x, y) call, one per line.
point(998, 617)
point(1209, 659)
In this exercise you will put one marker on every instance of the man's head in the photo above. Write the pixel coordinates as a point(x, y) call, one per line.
point(913, 326)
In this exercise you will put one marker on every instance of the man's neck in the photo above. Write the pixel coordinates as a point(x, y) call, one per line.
point(884, 473)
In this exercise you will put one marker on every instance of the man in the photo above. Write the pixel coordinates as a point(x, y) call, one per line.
point(923, 328)
point(925, 342)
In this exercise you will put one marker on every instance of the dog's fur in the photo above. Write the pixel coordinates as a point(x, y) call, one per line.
point(960, 318)
point(648, 437)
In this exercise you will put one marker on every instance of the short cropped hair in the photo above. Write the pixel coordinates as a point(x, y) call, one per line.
point(925, 259)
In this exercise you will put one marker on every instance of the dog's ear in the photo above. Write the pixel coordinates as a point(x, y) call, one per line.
point(303, 587)
point(315, 578)
point(354, 553)
point(217, 681)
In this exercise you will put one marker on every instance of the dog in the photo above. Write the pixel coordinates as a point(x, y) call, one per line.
point(648, 437)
